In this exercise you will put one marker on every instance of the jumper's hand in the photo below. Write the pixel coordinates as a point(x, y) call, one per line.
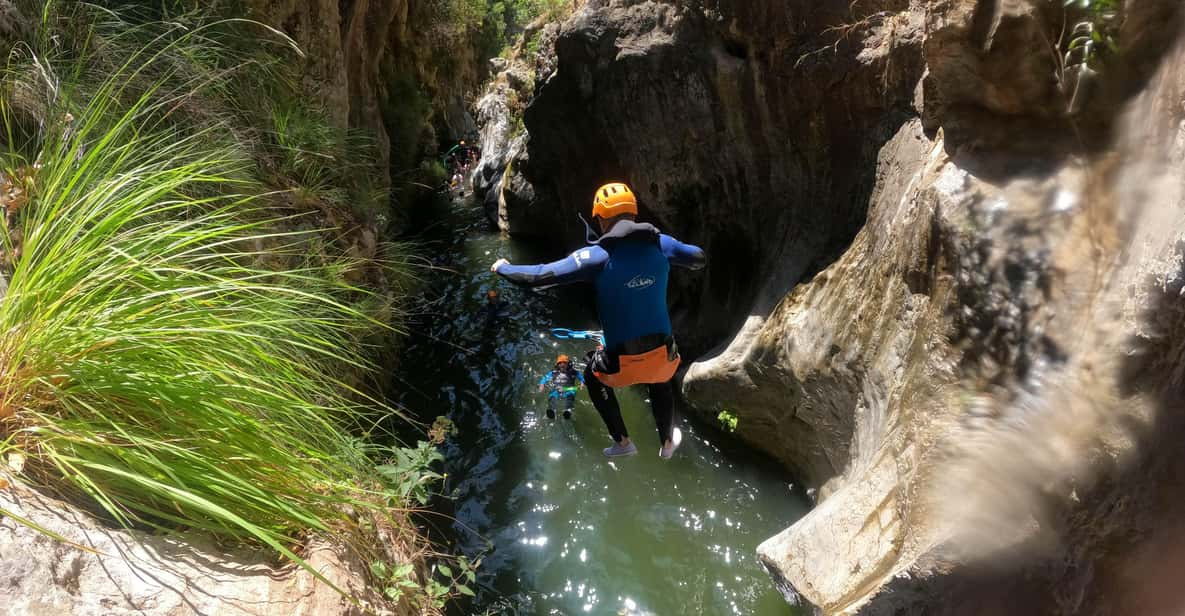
point(540, 389)
point(497, 264)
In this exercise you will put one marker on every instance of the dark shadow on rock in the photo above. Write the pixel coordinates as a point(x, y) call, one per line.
point(753, 135)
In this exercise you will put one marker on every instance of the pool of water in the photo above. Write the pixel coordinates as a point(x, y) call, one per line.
point(560, 528)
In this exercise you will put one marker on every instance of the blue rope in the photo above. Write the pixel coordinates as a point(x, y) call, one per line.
point(568, 334)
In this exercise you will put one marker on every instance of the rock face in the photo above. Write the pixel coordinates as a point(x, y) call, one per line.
point(496, 117)
point(498, 180)
point(371, 62)
point(947, 305)
point(103, 571)
point(741, 127)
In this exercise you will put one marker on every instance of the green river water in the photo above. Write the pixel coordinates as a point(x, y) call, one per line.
point(561, 529)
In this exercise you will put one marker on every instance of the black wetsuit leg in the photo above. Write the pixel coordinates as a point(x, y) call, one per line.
point(606, 402)
point(662, 404)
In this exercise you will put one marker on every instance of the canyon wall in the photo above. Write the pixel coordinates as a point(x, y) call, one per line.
point(934, 294)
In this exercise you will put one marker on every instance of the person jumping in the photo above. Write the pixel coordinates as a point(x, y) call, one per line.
point(563, 382)
point(629, 265)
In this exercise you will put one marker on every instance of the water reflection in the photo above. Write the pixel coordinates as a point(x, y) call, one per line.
point(563, 530)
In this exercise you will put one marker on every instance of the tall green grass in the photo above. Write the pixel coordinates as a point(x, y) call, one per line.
point(169, 352)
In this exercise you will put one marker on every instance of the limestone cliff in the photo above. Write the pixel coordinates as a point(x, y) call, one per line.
point(498, 180)
point(393, 68)
point(949, 305)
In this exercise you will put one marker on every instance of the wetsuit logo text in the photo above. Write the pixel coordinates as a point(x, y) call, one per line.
point(640, 282)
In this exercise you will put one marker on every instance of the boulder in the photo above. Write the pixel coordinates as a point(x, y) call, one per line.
point(98, 570)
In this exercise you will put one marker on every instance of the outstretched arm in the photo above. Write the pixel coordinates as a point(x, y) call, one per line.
point(579, 266)
point(682, 255)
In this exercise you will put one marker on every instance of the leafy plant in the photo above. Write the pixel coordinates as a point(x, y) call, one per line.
point(728, 420)
point(400, 580)
point(394, 581)
point(442, 429)
point(409, 473)
point(452, 582)
point(1085, 46)
point(1095, 32)
point(526, 11)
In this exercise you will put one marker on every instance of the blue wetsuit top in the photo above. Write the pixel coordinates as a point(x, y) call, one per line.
point(629, 266)
point(560, 381)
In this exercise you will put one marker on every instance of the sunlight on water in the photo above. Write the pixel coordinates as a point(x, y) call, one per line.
point(562, 529)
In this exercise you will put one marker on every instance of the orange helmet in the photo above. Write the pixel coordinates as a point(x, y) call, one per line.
point(563, 359)
point(613, 200)
point(492, 294)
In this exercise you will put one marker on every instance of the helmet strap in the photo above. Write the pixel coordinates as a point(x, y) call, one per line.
point(591, 236)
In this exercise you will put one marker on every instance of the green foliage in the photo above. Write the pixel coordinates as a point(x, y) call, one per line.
point(450, 581)
point(151, 355)
point(1095, 32)
point(173, 352)
point(320, 166)
point(306, 151)
point(495, 23)
point(394, 581)
point(532, 45)
point(728, 420)
point(409, 473)
point(526, 11)
point(398, 580)
point(433, 173)
point(465, 14)
point(519, 125)
point(406, 116)
point(474, 23)
point(1086, 46)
